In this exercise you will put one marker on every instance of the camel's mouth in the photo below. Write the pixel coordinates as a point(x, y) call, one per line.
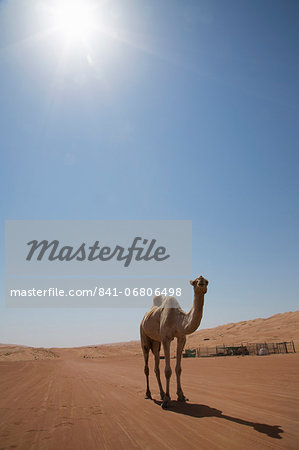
point(202, 282)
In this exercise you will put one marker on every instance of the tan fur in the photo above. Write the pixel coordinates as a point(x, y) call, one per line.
point(164, 322)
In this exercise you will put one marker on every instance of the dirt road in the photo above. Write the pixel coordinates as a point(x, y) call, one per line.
point(235, 403)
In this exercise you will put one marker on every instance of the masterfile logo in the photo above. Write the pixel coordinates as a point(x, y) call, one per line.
point(98, 248)
point(143, 252)
point(96, 263)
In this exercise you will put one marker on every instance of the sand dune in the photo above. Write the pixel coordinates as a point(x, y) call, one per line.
point(277, 328)
point(19, 353)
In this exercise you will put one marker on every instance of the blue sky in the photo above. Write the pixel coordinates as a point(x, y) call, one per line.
point(174, 110)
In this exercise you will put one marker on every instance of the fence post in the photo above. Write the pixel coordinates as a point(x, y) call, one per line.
point(285, 346)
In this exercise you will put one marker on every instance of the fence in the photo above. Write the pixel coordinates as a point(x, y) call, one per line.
point(264, 348)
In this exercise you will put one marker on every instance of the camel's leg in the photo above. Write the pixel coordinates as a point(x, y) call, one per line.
point(146, 345)
point(178, 368)
point(166, 346)
point(156, 351)
point(146, 370)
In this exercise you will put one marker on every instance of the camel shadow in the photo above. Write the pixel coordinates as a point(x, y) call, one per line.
point(199, 411)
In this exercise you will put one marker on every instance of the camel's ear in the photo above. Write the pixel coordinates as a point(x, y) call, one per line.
point(192, 283)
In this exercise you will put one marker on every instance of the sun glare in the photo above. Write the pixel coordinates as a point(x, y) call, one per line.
point(73, 19)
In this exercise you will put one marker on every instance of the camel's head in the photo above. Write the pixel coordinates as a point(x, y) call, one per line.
point(200, 285)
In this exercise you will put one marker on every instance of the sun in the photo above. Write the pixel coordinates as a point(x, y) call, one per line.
point(73, 19)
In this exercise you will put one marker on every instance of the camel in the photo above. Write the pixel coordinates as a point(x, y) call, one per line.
point(164, 322)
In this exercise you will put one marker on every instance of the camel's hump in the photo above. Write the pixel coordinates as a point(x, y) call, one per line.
point(170, 302)
point(157, 300)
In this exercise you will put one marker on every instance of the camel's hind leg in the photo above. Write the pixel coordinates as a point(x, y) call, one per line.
point(156, 351)
point(146, 345)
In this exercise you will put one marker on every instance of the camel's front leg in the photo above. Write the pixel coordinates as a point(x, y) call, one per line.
point(156, 352)
point(166, 347)
point(178, 368)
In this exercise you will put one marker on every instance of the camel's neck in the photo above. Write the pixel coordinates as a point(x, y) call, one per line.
point(193, 317)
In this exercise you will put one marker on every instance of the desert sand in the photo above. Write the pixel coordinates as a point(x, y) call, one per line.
point(93, 397)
